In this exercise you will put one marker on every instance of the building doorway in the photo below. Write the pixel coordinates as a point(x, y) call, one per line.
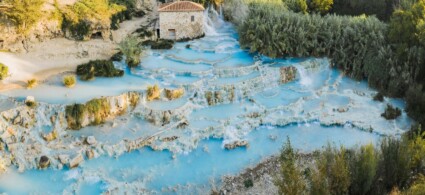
point(172, 34)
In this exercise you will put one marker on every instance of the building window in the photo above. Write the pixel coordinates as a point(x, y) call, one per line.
point(172, 33)
point(192, 18)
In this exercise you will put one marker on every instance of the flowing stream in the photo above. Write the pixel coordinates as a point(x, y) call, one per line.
point(320, 106)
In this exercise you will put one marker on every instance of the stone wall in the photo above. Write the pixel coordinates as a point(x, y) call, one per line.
point(181, 22)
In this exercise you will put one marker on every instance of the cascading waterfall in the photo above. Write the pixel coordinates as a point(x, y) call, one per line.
point(212, 21)
point(305, 80)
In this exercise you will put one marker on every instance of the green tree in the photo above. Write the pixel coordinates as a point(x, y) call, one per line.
point(24, 13)
point(321, 6)
point(290, 179)
point(363, 169)
point(131, 48)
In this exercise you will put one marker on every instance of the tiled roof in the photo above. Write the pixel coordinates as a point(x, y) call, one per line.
point(181, 6)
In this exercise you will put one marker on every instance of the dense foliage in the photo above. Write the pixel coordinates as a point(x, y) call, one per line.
point(131, 48)
point(380, 8)
point(4, 71)
point(24, 13)
point(98, 68)
point(349, 41)
point(389, 56)
point(365, 170)
point(79, 18)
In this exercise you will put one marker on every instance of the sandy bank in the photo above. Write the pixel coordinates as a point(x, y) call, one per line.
point(58, 55)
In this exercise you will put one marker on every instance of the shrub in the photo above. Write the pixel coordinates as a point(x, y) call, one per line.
point(415, 99)
point(98, 68)
point(172, 94)
point(97, 108)
point(162, 44)
point(24, 13)
point(391, 112)
point(418, 186)
point(4, 71)
point(394, 163)
point(131, 48)
point(31, 83)
point(290, 180)
point(69, 81)
point(153, 92)
point(363, 167)
point(117, 57)
point(321, 6)
point(30, 102)
point(74, 115)
point(248, 183)
point(79, 17)
point(297, 5)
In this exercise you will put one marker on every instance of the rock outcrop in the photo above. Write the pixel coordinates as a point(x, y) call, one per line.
point(287, 74)
point(236, 144)
point(98, 111)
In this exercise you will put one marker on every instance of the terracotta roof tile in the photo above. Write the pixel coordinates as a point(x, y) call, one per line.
point(181, 6)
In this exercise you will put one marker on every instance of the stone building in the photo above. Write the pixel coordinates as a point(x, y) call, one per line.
point(181, 20)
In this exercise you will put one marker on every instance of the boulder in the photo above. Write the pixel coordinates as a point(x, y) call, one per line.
point(50, 136)
point(91, 140)
point(236, 144)
point(64, 159)
point(76, 161)
point(90, 153)
point(169, 139)
point(44, 162)
point(287, 74)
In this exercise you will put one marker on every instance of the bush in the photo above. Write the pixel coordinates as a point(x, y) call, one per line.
point(24, 13)
point(363, 168)
point(74, 115)
point(391, 112)
point(117, 57)
point(297, 5)
point(248, 183)
point(415, 99)
point(172, 94)
point(290, 180)
point(31, 83)
point(69, 81)
point(30, 102)
point(98, 68)
point(97, 108)
point(4, 71)
point(162, 44)
point(153, 92)
point(131, 48)
point(79, 17)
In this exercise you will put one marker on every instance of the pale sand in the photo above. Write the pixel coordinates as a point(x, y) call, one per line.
point(59, 55)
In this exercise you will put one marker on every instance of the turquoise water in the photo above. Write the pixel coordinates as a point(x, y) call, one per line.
point(305, 110)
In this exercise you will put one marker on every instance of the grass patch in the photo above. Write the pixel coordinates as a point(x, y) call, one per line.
point(153, 92)
point(32, 83)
